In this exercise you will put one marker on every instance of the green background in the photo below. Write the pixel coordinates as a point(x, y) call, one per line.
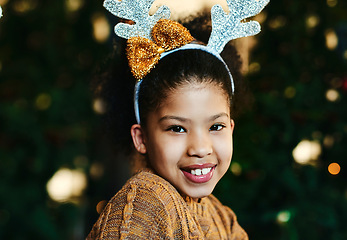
point(47, 58)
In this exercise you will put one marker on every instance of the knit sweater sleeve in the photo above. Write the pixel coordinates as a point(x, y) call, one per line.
point(135, 213)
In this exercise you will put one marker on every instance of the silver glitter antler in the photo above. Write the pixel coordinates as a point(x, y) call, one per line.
point(226, 27)
point(137, 11)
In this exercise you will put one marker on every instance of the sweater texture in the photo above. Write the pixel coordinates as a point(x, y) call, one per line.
point(149, 207)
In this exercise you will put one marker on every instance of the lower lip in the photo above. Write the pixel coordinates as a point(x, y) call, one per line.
point(199, 179)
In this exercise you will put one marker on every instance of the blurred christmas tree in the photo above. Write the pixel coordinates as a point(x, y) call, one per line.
point(49, 124)
point(298, 76)
point(47, 55)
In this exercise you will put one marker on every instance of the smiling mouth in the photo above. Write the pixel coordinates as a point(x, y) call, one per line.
point(199, 173)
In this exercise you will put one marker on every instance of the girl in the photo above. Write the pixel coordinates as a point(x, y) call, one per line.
point(183, 107)
point(186, 135)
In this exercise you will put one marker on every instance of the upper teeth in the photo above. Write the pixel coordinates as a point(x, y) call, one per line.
point(199, 172)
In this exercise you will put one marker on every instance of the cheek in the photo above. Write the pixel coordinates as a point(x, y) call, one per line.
point(224, 149)
point(165, 152)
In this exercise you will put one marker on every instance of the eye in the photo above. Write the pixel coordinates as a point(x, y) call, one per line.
point(217, 127)
point(176, 129)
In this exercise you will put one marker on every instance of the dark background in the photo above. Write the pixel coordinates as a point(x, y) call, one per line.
point(48, 56)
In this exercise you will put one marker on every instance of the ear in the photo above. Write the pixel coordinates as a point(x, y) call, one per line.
point(232, 124)
point(138, 137)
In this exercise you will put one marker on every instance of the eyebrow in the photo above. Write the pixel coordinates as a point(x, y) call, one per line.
point(218, 116)
point(169, 117)
point(182, 119)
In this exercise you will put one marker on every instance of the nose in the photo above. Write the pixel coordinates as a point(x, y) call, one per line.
point(199, 145)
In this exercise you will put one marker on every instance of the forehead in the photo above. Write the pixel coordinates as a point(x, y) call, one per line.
point(194, 98)
point(192, 87)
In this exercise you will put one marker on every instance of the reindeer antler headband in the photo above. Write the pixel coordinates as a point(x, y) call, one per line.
point(154, 37)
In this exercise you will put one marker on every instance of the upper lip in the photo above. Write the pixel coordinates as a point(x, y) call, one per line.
point(199, 166)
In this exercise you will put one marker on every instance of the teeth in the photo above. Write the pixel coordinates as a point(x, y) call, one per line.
point(199, 172)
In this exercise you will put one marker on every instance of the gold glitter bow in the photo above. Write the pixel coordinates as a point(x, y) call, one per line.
point(143, 54)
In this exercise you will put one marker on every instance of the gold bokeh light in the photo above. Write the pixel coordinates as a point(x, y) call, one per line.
point(101, 28)
point(312, 21)
point(236, 168)
point(331, 39)
point(99, 106)
point(334, 168)
point(74, 5)
point(332, 3)
point(332, 95)
point(43, 101)
point(23, 6)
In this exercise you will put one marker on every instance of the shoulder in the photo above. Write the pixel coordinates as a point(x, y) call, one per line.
point(145, 207)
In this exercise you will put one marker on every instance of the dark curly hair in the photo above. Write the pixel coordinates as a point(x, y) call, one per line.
point(114, 83)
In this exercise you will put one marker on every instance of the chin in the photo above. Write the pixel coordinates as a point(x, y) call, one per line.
point(199, 194)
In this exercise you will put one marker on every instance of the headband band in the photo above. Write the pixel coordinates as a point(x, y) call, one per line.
point(190, 46)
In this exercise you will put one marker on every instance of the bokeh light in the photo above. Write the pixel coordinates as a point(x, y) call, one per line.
point(334, 168)
point(283, 217)
point(332, 95)
point(336, 82)
point(99, 106)
point(101, 28)
point(312, 21)
point(332, 3)
point(66, 185)
point(236, 168)
point(100, 206)
point(74, 5)
point(96, 171)
point(290, 92)
point(23, 6)
point(278, 22)
point(331, 39)
point(254, 67)
point(328, 141)
point(43, 101)
point(306, 151)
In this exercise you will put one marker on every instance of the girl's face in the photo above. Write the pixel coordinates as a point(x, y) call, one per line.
point(188, 139)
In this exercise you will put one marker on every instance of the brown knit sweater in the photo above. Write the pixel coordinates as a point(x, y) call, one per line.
point(149, 207)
